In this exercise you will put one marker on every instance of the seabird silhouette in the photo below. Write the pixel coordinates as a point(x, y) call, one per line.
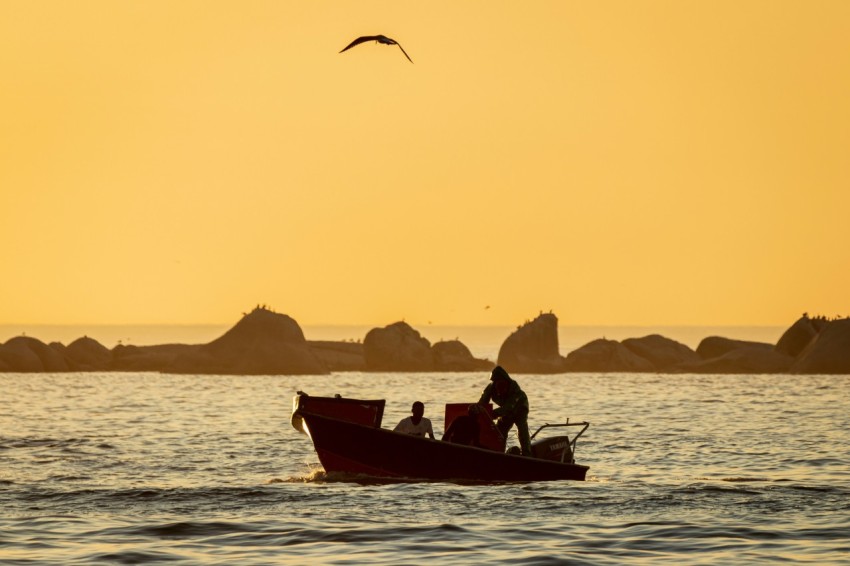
point(380, 39)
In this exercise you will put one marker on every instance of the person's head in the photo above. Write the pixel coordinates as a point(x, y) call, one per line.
point(500, 378)
point(417, 410)
point(499, 373)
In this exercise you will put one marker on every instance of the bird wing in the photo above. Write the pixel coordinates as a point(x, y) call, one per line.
point(360, 40)
point(403, 51)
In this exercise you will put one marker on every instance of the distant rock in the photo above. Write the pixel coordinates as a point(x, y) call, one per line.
point(453, 355)
point(797, 337)
point(603, 355)
point(716, 346)
point(160, 357)
point(26, 354)
point(397, 347)
point(533, 347)
point(828, 352)
point(261, 343)
point(725, 355)
point(664, 353)
point(87, 354)
point(260, 325)
point(17, 356)
point(339, 356)
point(265, 342)
point(748, 359)
point(60, 349)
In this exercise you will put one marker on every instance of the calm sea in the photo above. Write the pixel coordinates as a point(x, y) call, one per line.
point(684, 469)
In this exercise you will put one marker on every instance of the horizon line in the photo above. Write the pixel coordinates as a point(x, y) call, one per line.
point(414, 325)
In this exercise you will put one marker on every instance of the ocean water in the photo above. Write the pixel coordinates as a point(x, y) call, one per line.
point(684, 469)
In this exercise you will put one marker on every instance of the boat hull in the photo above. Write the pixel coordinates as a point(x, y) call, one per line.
point(352, 448)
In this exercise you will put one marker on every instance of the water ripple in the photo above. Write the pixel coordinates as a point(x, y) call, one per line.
point(130, 468)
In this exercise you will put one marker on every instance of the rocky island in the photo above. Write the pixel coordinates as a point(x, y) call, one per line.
point(264, 342)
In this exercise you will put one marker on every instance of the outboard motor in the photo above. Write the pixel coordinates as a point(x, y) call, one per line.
point(555, 448)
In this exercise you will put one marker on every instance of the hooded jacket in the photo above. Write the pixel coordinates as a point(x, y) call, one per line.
point(513, 404)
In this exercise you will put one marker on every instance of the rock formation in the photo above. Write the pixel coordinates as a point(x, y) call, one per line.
point(664, 353)
point(339, 356)
point(533, 347)
point(798, 336)
point(716, 346)
point(397, 347)
point(723, 355)
point(26, 354)
point(828, 352)
point(606, 356)
point(263, 342)
point(160, 357)
point(87, 354)
point(453, 355)
point(748, 359)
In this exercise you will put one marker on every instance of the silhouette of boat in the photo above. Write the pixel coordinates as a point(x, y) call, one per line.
point(348, 439)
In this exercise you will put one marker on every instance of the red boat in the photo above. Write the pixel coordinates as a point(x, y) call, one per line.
point(348, 439)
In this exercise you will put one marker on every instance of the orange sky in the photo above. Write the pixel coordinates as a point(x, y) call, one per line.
point(643, 163)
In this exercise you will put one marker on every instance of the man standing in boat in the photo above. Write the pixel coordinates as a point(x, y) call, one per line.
point(416, 424)
point(512, 407)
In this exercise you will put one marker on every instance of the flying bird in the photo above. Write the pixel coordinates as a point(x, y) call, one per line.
point(380, 39)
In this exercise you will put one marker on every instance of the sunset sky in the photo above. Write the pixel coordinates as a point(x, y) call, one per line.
point(616, 162)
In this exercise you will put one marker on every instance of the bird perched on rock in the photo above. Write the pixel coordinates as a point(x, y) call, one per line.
point(378, 38)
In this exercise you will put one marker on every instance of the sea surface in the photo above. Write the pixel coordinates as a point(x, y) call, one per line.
point(127, 468)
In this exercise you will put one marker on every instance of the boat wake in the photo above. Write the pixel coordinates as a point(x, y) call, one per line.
point(320, 476)
point(316, 475)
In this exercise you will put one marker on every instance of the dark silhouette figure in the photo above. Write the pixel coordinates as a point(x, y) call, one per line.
point(378, 38)
point(512, 406)
point(464, 429)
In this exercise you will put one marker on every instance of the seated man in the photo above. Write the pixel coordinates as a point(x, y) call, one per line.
point(416, 424)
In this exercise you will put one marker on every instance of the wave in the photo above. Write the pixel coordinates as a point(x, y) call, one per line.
point(133, 557)
point(476, 536)
point(177, 530)
point(120, 500)
point(60, 445)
